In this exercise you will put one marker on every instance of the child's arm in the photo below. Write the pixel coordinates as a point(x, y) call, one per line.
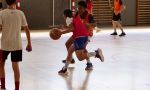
point(29, 47)
point(91, 24)
point(122, 8)
point(68, 29)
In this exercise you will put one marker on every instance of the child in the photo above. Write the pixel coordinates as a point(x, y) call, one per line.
point(11, 21)
point(68, 18)
point(80, 36)
point(117, 9)
point(88, 20)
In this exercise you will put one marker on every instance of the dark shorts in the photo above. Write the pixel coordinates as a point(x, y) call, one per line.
point(116, 17)
point(80, 43)
point(16, 56)
point(1, 5)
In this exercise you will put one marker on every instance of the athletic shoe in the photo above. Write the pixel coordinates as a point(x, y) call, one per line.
point(71, 62)
point(122, 34)
point(114, 33)
point(89, 66)
point(99, 54)
point(63, 71)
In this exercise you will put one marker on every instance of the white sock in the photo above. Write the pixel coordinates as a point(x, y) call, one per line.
point(66, 65)
point(91, 54)
point(88, 60)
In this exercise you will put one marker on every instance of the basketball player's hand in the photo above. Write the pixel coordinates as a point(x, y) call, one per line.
point(29, 48)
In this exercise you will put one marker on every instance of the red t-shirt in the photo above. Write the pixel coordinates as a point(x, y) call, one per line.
point(86, 20)
point(79, 27)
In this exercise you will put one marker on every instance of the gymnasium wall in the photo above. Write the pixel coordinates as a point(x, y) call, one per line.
point(39, 13)
point(129, 15)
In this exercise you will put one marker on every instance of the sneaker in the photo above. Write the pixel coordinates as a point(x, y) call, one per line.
point(122, 34)
point(99, 54)
point(72, 61)
point(89, 66)
point(63, 71)
point(114, 33)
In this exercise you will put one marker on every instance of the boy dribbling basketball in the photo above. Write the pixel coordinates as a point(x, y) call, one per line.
point(80, 36)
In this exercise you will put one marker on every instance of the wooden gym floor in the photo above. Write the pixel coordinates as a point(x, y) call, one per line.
point(126, 66)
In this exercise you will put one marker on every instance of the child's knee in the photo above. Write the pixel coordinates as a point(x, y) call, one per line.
point(68, 44)
point(81, 55)
point(80, 58)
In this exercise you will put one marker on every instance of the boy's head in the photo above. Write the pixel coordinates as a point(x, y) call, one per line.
point(11, 2)
point(82, 6)
point(68, 13)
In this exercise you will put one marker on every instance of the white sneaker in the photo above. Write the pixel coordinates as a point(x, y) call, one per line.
point(99, 54)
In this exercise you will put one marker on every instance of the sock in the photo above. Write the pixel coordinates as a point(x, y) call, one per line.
point(88, 60)
point(2, 83)
point(123, 32)
point(121, 29)
point(115, 30)
point(66, 65)
point(17, 84)
point(91, 54)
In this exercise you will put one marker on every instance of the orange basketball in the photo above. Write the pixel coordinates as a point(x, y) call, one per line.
point(55, 34)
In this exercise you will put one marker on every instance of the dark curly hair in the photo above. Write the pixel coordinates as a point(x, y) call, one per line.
point(82, 3)
point(10, 2)
point(68, 13)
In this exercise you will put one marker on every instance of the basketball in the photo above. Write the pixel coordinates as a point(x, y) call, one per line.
point(81, 54)
point(55, 34)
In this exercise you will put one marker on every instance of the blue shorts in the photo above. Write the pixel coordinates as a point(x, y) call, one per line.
point(80, 43)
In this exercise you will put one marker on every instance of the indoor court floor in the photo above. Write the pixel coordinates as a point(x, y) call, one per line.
point(126, 66)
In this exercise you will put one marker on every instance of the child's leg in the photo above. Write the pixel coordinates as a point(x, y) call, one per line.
point(68, 59)
point(16, 70)
point(69, 56)
point(2, 68)
point(98, 54)
point(89, 65)
point(68, 43)
point(2, 74)
point(83, 54)
point(114, 27)
point(120, 26)
point(16, 57)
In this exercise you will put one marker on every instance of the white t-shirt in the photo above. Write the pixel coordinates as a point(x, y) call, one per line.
point(68, 21)
point(11, 21)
